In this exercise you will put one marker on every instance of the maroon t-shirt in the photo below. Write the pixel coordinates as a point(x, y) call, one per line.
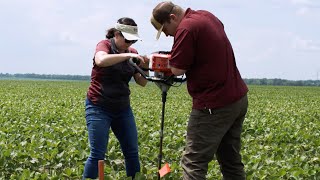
point(109, 86)
point(202, 48)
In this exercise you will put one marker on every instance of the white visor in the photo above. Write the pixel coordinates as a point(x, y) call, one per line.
point(129, 32)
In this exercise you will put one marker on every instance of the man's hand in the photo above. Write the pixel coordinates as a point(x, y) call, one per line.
point(178, 72)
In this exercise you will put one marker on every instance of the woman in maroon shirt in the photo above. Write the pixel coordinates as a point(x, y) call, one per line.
point(108, 102)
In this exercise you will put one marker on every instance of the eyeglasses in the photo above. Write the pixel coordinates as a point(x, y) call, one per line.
point(128, 41)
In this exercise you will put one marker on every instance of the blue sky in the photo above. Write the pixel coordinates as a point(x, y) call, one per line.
point(271, 38)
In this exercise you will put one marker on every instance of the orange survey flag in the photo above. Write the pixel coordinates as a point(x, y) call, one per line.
point(164, 170)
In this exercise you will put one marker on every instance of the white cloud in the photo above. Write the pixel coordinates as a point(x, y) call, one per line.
point(301, 44)
point(303, 11)
point(301, 2)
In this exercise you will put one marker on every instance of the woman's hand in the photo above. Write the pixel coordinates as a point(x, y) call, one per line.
point(143, 60)
point(145, 63)
point(136, 56)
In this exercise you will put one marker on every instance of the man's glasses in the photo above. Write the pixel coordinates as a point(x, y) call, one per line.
point(128, 41)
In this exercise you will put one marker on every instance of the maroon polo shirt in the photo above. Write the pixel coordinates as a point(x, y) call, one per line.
point(109, 86)
point(202, 48)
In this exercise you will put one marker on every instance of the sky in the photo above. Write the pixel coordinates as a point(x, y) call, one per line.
point(271, 38)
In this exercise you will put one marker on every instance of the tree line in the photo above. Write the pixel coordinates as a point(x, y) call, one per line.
point(249, 81)
point(45, 76)
point(282, 82)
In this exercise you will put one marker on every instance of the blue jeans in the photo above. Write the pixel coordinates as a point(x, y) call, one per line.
point(99, 120)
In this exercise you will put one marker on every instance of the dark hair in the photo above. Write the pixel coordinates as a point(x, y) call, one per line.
point(124, 20)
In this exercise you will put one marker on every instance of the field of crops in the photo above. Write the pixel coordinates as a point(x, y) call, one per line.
point(43, 133)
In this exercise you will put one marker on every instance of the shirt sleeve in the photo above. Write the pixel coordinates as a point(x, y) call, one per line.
point(182, 54)
point(103, 46)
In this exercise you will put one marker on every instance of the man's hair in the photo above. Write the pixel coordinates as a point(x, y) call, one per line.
point(162, 11)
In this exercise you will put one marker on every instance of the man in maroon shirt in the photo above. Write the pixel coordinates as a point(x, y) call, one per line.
point(203, 52)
